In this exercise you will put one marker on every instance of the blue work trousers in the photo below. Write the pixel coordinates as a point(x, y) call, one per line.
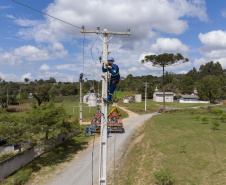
point(111, 88)
point(87, 132)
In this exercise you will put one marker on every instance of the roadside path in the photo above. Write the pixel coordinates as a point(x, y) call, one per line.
point(80, 172)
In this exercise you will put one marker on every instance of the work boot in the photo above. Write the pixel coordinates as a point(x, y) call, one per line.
point(106, 100)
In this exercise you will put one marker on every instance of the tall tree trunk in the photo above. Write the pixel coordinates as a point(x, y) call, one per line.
point(47, 134)
point(163, 88)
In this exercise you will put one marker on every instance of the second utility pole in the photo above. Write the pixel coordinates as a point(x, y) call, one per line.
point(104, 111)
point(145, 84)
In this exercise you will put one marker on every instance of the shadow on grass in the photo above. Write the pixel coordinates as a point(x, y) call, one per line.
point(60, 154)
point(205, 123)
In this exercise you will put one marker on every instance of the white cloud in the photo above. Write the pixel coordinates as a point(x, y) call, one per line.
point(183, 72)
point(9, 77)
point(142, 16)
point(27, 22)
point(28, 75)
point(9, 59)
point(70, 67)
point(5, 7)
point(214, 48)
point(32, 53)
point(10, 16)
point(199, 62)
point(213, 39)
point(223, 13)
point(168, 45)
point(44, 67)
point(58, 76)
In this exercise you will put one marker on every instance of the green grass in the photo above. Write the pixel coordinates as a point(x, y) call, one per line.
point(120, 94)
point(87, 112)
point(6, 156)
point(190, 151)
point(152, 106)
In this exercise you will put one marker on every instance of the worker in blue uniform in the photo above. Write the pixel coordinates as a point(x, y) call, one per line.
point(108, 131)
point(115, 77)
point(87, 131)
point(91, 130)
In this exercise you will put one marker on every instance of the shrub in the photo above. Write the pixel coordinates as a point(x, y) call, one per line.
point(217, 111)
point(215, 124)
point(205, 119)
point(223, 117)
point(197, 116)
point(183, 148)
point(163, 177)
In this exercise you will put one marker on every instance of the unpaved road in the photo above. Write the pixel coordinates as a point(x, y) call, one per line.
point(80, 171)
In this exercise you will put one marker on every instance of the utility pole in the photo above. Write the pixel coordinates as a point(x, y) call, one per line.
point(145, 84)
point(104, 111)
point(80, 105)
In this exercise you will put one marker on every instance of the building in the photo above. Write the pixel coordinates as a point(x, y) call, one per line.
point(158, 96)
point(189, 97)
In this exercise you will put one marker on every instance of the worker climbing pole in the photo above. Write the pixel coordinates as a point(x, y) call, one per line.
point(104, 111)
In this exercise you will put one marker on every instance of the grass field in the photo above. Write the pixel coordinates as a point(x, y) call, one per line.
point(152, 106)
point(87, 113)
point(190, 151)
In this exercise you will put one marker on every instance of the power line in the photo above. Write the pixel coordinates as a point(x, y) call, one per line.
point(46, 14)
point(92, 49)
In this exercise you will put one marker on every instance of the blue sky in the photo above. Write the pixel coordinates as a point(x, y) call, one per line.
point(36, 46)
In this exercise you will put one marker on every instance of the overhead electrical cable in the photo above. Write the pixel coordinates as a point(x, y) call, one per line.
point(83, 50)
point(46, 14)
point(92, 49)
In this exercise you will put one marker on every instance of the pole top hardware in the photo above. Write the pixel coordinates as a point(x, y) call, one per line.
point(105, 31)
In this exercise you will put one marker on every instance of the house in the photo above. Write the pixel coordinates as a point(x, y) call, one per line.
point(189, 97)
point(158, 96)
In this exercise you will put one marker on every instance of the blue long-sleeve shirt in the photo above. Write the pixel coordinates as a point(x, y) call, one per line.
point(114, 71)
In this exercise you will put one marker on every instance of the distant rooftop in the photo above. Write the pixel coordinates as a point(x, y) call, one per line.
point(162, 92)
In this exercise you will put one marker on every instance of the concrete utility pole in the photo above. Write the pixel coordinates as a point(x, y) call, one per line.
point(104, 111)
point(80, 105)
point(145, 84)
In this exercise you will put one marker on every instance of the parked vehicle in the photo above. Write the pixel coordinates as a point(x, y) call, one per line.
point(114, 121)
point(160, 110)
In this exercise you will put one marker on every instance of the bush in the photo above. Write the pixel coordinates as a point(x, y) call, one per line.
point(215, 125)
point(197, 116)
point(205, 119)
point(163, 177)
point(223, 117)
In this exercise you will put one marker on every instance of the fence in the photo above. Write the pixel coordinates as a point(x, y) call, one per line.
point(16, 162)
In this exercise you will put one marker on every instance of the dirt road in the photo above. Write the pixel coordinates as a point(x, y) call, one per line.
point(84, 170)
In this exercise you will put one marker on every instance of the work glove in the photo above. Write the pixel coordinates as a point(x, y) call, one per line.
point(109, 67)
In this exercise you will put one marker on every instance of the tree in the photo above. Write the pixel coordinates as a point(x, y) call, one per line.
point(210, 68)
point(41, 93)
point(187, 85)
point(164, 60)
point(48, 118)
point(209, 88)
point(26, 80)
point(194, 74)
point(12, 129)
point(51, 80)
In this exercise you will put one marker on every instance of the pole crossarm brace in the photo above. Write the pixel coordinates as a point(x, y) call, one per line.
point(105, 32)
